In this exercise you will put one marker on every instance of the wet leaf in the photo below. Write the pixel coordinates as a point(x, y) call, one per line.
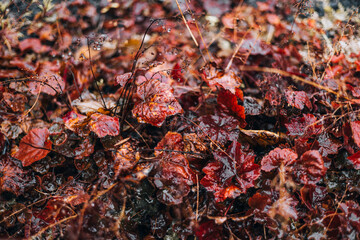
point(327, 145)
point(298, 99)
point(313, 196)
point(16, 102)
point(261, 137)
point(34, 146)
point(217, 78)
point(355, 159)
point(310, 167)
point(352, 213)
point(278, 157)
point(48, 73)
point(125, 158)
point(220, 128)
point(232, 173)
point(174, 176)
point(231, 102)
point(155, 101)
point(304, 126)
point(104, 125)
point(355, 128)
point(12, 177)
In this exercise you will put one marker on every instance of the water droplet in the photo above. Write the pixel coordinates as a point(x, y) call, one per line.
point(169, 30)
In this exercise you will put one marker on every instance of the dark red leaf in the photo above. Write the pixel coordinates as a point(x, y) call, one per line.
point(352, 213)
point(176, 73)
point(259, 201)
point(310, 168)
point(209, 231)
point(12, 177)
point(277, 158)
point(125, 158)
point(34, 146)
point(298, 99)
point(15, 101)
point(313, 196)
point(355, 128)
point(155, 101)
point(232, 174)
point(355, 159)
point(303, 126)
point(55, 210)
point(327, 145)
point(104, 125)
point(174, 176)
point(220, 128)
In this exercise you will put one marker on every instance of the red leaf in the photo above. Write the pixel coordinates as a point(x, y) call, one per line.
point(259, 201)
point(217, 78)
point(123, 78)
point(125, 158)
point(355, 128)
point(313, 196)
point(73, 120)
point(155, 101)
point(278, 157)
point(298, 99)
point(12, 177)
point(50, 81)
point(176, 73)
point(303, 126)
point(310, 168)
point(15, 101)
point(352, 213)
point(174, 176)
point(104, 125)
point(55, 210)
point(355, 159)
point(327, 145)
point(209, 231)
point(220, 128)
point(34, 146)
point(33, 44)
point(231, 101)
point(232, 173)
point(284, 207)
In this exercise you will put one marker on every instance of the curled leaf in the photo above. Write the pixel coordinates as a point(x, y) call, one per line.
point(310, 168)
point(277, 157)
